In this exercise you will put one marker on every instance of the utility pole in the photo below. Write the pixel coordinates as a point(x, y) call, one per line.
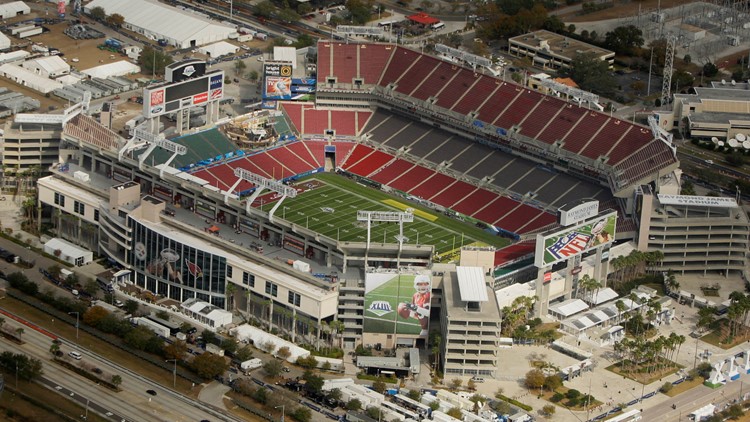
point(174, 373)
point(71, 313)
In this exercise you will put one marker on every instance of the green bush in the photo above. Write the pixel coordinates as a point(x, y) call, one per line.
point(557, 397)
point(517, 403)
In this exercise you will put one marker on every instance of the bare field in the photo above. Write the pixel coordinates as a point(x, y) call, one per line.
point(621, 9)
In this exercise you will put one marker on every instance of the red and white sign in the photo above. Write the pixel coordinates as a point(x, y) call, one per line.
point(217, 93)
point(200, 98)
point(157, 97)
point(547, 277)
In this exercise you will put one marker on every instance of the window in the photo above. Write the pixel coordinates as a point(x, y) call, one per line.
point(96, 215)
point(294, 298)
point(79, 208)
point(272, 289)
point(248, 279)
point(229, 271)
point(59, 199)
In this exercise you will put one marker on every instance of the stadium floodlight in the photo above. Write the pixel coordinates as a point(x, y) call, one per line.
point(261, 183)
point(388, 217)
point(359, 30)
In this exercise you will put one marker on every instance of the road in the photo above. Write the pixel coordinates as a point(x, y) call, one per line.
point(132, 403)
point(694, 399)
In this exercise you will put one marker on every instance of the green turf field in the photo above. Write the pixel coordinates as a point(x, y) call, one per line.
point(394, 290)
point(331, 210)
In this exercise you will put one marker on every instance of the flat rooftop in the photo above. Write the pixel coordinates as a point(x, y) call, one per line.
point(558, 44)
point(456, 308)
point(718, 93)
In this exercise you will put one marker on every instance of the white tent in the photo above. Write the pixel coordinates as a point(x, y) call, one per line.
point(260, 338)
point(13, 56)
point(28, 78)
point(50, 66)
point(16, 8)
point(285, 54)
point(4, 42)
point(157, 21)
point(69, 252)
point(68, 79)
point(206, 313)
point(120, 68)
point(219, 49)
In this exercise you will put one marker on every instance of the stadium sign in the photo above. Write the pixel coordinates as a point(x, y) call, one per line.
point(278, 69)
point(184, 70)
point(174, 96)
point(553, 247)
point(573, 213)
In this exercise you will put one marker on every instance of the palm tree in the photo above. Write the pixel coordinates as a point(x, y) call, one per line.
point(620, 305)
point(2, 322)
point(230, 289)
point(19, 331)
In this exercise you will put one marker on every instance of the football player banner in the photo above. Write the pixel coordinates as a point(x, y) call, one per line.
point(397, 303)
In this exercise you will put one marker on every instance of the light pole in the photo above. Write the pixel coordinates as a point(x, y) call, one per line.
point(174, 373)
point(77, 314)
point(282, 411)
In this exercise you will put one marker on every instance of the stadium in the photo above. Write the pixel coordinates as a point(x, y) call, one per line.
point(475, 160)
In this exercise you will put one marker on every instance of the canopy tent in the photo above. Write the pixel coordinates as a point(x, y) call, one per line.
point(68, 252)
point(219, 49)
point(423, 18)
point(119, 68)
point(261, 338)
point(206, 313)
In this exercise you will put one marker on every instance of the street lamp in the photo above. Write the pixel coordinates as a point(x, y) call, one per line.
point(174, 373)
point(77, 314)
point(282, 412)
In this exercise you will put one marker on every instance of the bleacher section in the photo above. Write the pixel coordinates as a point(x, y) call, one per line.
point(347, 62)
point(588, 133)
point(86, 129)
point(207, 145)
point(312, 121)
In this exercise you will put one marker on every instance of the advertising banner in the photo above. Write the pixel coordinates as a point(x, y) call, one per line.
point(278, 88)
point(553, 247)
point(397, 303)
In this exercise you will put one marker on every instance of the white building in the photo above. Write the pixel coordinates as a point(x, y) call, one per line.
point(218, 49)
point(4, 42)
point(68, 252)
point(49, 67)
point(206, 313)
point(119, 68)
point(158, 21)
point(12, 9)
point(28, 78)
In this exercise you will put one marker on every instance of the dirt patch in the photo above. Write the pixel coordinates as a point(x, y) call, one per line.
point(621, 9)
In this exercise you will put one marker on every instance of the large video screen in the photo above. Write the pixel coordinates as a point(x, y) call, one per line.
point(180, 95)
point(553, 247)
point(397, 303)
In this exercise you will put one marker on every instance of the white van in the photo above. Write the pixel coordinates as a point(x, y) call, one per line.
point(75, 355)
point(438, 26)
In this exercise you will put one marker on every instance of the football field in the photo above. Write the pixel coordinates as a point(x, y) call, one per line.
point(330, 208)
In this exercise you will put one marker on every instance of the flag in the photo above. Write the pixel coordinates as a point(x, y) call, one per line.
point(194, 269)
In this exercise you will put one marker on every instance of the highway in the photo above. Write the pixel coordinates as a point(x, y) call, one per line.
point(133, 403)
point(694, 399)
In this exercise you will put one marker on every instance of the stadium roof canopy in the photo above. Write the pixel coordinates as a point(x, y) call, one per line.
point(155, 20)
point(471, 284)
point(423, 18)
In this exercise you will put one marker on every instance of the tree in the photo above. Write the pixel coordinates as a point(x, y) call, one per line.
point(260, 395)
point(139, 337)
point(414, 394)
point(373, 412)
point(283, 353)
point(288, 15)
point(354, 405)
point(553, 382)
point(209, 365)
point(682, 80)
point(98, 13)
point(115, 20)
point(534, 379)
point(335, 394)
point(456, 383)
point(314, 382)
point(359, 11)
point(253, 75)
point(624, 39)
point(116, 380)
point(153, 61)
point(208, 336)
point(471, 385)
point(243, 354)
point(548, 409)
point(94, 314)
point(239, 66)
point(301, 414)
point(273, 368)
point(229, 345)
point(264, 9)
point(710, 70)
point(54, 348)
point(130, 306)
point(379, 386)
point(175, 350)
point(19, 332)
point(455, 413)
point(591, 73)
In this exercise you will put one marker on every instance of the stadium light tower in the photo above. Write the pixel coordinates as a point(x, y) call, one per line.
point(388, 217)
point(261, 183)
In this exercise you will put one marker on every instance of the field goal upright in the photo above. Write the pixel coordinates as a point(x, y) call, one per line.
point(389, 217)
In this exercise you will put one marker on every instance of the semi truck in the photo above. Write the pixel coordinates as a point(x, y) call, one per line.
point(251, 364)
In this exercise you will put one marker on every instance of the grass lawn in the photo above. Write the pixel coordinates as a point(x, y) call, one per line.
point(162, 376)
point(684, 386)
point(26, 410)
point(331, 210)
point(642, 377)
point(716, 338)
point(547, 395)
